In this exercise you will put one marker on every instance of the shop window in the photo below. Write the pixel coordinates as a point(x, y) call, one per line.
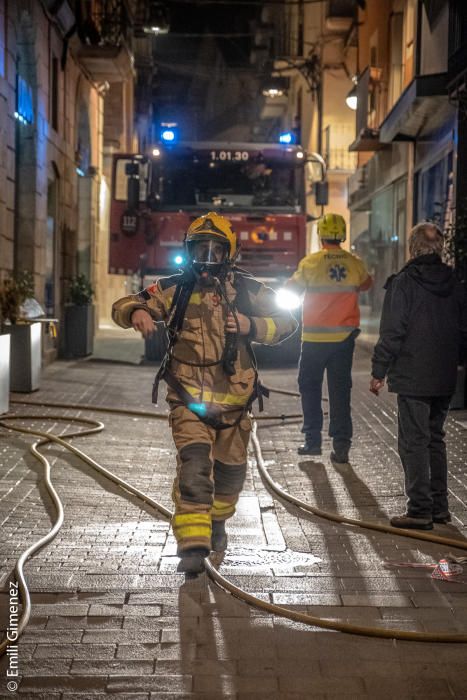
point(54, 92)
point(50, 246)
point(384, 253)
point(3, 22)
point(409, 39)
point(432, 189)
point(300, 29)
point(24, 111)
point(395, 78)
point(400, 223)
point(83, 139)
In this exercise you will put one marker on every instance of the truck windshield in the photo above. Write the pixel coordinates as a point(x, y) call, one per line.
point(228, 180)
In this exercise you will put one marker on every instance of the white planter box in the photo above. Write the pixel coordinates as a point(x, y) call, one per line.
point(4, 372)
point(26, 357)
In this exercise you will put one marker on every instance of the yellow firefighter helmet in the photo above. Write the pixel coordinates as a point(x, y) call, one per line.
point(331, 227)
point(214, 226)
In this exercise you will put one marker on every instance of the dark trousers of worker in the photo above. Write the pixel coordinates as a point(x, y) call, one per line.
point(422, 451)
point(336, 360)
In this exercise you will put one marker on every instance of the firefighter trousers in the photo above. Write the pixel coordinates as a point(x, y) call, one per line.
point(211, 469)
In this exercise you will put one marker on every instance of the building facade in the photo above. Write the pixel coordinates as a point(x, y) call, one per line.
point(401, 155)
point(406, 133)
point(65, 101)
point(316, 52)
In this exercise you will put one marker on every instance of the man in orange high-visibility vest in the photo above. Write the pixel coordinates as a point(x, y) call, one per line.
point(331, 280)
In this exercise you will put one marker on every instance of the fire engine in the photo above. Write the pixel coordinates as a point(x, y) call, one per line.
point(260, 188)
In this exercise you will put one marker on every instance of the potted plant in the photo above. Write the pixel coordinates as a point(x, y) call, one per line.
point(25, 334)
point(79, 318)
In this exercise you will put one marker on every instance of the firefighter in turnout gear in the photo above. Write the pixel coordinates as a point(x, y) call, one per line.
point(212, 312)
point(331, 280)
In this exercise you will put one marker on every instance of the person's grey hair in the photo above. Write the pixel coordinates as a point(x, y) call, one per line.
point(425, 238)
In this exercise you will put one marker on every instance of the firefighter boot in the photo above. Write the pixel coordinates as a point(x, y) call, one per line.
point(219, 536)
point(192, 560)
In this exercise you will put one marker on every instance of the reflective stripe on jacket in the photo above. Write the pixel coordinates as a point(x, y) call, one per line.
point(331, 280)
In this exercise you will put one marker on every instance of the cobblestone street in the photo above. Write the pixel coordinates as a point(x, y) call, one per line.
point(112, 617)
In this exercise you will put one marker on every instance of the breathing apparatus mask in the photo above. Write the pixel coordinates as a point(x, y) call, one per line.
point(207, 256)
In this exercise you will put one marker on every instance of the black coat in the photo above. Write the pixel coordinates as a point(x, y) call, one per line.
point(423, 329)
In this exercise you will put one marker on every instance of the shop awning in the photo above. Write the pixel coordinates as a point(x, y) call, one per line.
point(422, 107)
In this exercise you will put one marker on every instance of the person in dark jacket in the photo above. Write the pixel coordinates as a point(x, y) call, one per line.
point(423, 337)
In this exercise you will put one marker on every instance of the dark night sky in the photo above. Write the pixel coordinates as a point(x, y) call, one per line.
point(177, 56)
point(221, 18)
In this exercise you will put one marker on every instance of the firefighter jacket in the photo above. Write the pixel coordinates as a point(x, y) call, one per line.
point(331, 280)
point(196, 356)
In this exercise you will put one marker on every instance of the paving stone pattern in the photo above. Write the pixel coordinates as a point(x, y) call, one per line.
point(111, 617)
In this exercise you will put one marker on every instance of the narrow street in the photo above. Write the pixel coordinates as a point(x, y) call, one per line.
point(112, 617)
point(215, 166)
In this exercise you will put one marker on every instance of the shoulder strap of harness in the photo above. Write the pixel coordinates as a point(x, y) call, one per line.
point(243, 282)
point(244, 306)
point(174, 324)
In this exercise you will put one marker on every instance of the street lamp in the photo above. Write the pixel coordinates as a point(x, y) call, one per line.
point(352, 100)
point(273, 92)
point(274, 86)
point(157, 19)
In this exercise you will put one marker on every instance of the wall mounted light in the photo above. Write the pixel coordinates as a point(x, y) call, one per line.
point(274, 86)
point(157, 18)
point(351, 100)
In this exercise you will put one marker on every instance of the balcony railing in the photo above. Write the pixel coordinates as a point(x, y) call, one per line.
point(340, 15)
point(341, 8)
point(358, 190)
point(107, 23)
point(336, 140)
point(369, 110)
point(106, 38)
point(341, 159)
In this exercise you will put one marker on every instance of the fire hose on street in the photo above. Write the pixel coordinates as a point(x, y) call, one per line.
point(92, 426)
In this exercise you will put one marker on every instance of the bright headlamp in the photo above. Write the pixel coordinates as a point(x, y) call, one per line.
point(285, 299)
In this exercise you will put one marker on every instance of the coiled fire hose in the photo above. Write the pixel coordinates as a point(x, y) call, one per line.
point(97, 426)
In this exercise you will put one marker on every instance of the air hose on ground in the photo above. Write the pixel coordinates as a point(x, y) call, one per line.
point(98, 426)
